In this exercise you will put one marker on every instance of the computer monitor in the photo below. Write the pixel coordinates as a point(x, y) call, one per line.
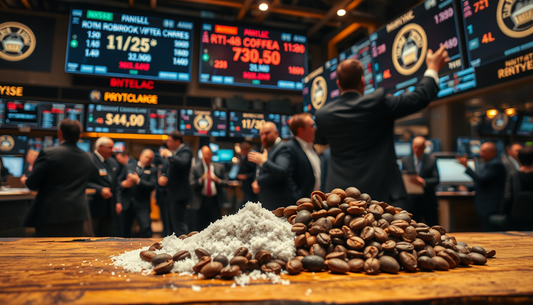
point(472, 146)
point(84, 145)
point(452, 172)
point(119, 147)
point(402, 149)
point(234, 171)
point(13, 144)
point(225, 155)
point(14, 164)
point(432, 146)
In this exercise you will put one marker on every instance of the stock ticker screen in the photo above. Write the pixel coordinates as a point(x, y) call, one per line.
point(162, 121)
point(245, 124)
point(242, 56)
point(52, 113)
point(495, 29)
point(108, 43)
point(399, 49)
point(21, 113)
point(120, 119)
point(203, 122)
point(362, 52)
point(320, 87)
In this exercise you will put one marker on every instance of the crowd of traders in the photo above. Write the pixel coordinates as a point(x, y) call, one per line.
point(357, 128)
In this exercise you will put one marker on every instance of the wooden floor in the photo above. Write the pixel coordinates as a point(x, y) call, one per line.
point(67, 271)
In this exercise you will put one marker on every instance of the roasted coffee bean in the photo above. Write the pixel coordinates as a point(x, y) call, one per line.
point(461, 243)
point(439, 249)
point(440, 263)
point(349, 199)
point(201, 253)
point(426, 263)
point(370, 252)
point(422, 229)
point(319, 194)
point(339, 255)
point(164, 267)
point(358, 203)
point(480, 250)
point(334, 200)
point(263, 256)
point(303, 200)
point(279, 212)
point(388, 217)
point(462, 249)
point(271, 267)
point(339, 220)
point(240, 261)
point(367, 233)
point(336, 233)
point(369, 217)
point(477, 258)
point(294, 266)
point(323, 239)
point(317, 249)
point(408, 261)
point(355, 243)
point(303, 217)
point(465, 259)
point(354, 254)
point(400, 223)
point(448, 259)
point(358, 223)
point(291, 219)
point(348, 232)
point(242, 251)
point(441, 230)
point(365, 197)
point(253, 264)
point(356, 265)
point(338, 241)
point(211, 270)
point(249, 256)
point(311, 240)
point(160, 258)
point(389, 245)
point(354, 210)
point(340, 192)
point(181, 255)
point(425, 236)
point(490, 253)
point(147, 255)
point(436, 234)
point(353, 192)
point(394, 253)
point(317, 202)
point(382, 223)
point(155, 246)
point(331, 220)
point(376, 210)
point(290, 210)
point(279, 261)
point(230, 272)
point(404, 246)
point(418, 244)
point(454, 241)
point(336, 265)
point(402, 216)
point(409, 234)
point(340, 248)
point(344, 207)
point(348, 218)
point(454, 255)
point(319, 214)
point(375, 244)
point(299, 258)
point(334, 212)
point(302, 252)
point(300, 241)
point(380, 235)
point(313, 263)
point(299, 228)
point(389, 209)
point(307, 206)
point(389, 264)
point(204, 260)
point(395, 231)
point(192, 233)
point(372, 266)
point(182, 237)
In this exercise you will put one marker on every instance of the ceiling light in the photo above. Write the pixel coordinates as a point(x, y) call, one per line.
point(341, 12)
point(263, 6)
point(510, 111)
point(491, 113)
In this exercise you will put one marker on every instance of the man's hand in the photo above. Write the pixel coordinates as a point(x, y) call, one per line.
point(463, 160)
point(255, 187)
point(203, 177)
point(215, 178)
point(23, 179)
point(418, 181)
point(163, 180)
point(118, 208)
point(438, 60)
point(462, 188)
point(258, 158)
point(106, 193)
point(127, 184)
point(165, 153)
point(242, 177)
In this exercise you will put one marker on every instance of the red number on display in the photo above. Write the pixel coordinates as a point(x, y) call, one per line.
point(480, 5)
point(268, 57)
point(221, 64)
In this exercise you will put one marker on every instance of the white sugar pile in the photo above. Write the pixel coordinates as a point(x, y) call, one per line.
point(252, 227)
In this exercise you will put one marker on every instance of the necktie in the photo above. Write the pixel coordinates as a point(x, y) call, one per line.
point(208, 189)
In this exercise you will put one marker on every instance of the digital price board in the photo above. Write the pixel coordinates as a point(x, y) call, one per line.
point(472, 146)
point(320, 87)
point(286, 132)
point(163, 121)
point(526, 126)
point(21, 113)
point(203, 122)
point(13, 144)
point(362, 52)
point(248, 124)
point(134, 45)
point(495, 29)
point(120, 119)
point(501, 124)
point(244, 56)
point(52, 113)
point(399, 49)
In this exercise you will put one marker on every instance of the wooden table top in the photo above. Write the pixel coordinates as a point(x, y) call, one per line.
point(69, 271)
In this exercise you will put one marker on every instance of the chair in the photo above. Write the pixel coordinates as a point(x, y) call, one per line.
point(521, 211)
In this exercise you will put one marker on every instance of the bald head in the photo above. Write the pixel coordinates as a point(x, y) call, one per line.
point(350, 75)
point(147, 157)
point(488, 151)
point(419, 146)
point(269, 134)
point(207, 154)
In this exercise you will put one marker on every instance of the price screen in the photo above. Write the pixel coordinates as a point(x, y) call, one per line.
point(132, 45)
point(248, 124)
point(362, 52)
point(52, 113)
point(320, 87)
point(243, 56)
point(104, 118)
point(399, 49)
point(497, 28)
point(163, 121)
point(203, 123)
point(21, 113)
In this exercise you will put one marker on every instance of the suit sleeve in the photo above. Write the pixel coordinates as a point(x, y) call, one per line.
point(194, 178)
point(39, 172)
point(405, 104)
point(275, 170)
point(181, 160)
point(433, 181)
point(223, 176)
point(488, 174)
point(94, 177)
point(149, 185)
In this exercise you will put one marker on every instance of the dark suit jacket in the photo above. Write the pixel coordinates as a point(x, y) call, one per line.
point(60, 174)
point(301, 177)
point(197, 171)
point(249, 169)
point(489, 185)
point(138, 194)
point(4, 173)
point(98, 205)
point(275, 190)
point(179, 167)
point(428, 171)
point(359, 130)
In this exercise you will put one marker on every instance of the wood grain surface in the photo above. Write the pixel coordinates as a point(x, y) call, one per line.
point(70, 271)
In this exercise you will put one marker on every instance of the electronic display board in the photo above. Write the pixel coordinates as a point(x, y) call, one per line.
point(51, 114)
point(472, 146)
point(399, 49)
point(245, 124)
point(21, 113)
point(203, 122)
point(495, 29)
point(121, 119)
point(286, 132)
point(320, 87)
point(244, 56)
point(163, 121)
point(501, 124)
point(362, 52)
point(13, 144)
point(133, 45)
point(526, 126)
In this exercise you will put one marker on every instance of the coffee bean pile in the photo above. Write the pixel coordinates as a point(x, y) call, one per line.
point(346, 231)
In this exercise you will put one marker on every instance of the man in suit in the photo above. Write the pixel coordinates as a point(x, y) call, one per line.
point(31, 156)
point(60, 174)
point(177, 186)
point(123, 159)
point(161, 163)
point(489, 183)
point(304, 169)
point(247, 171)
point(208, 181)
point(510, 160)
point(105, 204)
point(359, 129)
point(137, 183)
point(425, 166)
point(273, 166)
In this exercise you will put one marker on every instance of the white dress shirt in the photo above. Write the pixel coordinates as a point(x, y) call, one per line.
point(102, 159)
point(313, 158)
point(213, 185)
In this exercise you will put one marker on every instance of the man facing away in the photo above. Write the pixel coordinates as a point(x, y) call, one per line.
point(247, 172)
point(359, 129)
point(60, 175)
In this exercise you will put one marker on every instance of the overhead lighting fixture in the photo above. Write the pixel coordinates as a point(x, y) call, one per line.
point(491, 113)
point(510, 112)
point(263, 6)
point(341, 12)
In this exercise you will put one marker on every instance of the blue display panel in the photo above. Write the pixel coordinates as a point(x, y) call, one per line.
point(286, 132)
point(133, 45)
point(245, 124)
point(495, 29)
point(203, 123)
point(399, 49)
point(501, 124)
point(52, 113)
point(363, 53)
point(13, 144)
point(472, 146)
point(243, 56)
point(526, 126)
point(320, 87)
